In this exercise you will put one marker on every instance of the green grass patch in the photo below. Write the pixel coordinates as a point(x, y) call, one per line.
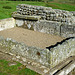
point(61, 6)
point(7, 7)
point(17, 69)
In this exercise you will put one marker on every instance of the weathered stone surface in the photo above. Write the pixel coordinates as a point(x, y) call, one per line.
point(51, 21)
point(50, 27)
point(20, 49)
point(26, 17)
point(61, 51)
point(24, 9)
point(66, 67)
point(7, 23)
point(19, 22)
point(73, 12)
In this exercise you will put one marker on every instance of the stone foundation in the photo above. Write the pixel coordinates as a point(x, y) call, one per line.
point(46, 20)
point(50, 21)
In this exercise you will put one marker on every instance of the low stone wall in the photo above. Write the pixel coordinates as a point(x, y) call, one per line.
point(49, 27)
point(46, 13)
point(67, 30)
point(46, 57)
point(55, 28)
point(62, 51)
point(20, 49)
point(7, 23)
point(47, 20)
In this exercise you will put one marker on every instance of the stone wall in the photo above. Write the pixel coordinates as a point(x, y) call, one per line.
point(7, 23)
point(73, 12)
point(64, 27)
point(46, 13)
point(55, 28)
point(62, 51)
point(51, 21)
point(48, 27)
point(67, 30)
point(20, 49)
point(46, 57)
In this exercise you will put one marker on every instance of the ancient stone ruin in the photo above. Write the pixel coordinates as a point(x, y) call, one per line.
point(52, 21)
point(47, 36)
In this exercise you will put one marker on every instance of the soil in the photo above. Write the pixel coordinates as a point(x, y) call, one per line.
point(31, 38)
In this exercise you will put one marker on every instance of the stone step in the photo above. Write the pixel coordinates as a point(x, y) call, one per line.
point(62, 65)
point(66, 70)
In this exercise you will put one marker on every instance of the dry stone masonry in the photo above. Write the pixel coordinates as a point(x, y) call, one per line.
point(46, 13)
point(45, 19)
point(47, 57)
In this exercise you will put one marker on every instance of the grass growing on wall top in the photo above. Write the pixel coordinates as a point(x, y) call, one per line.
point(17, 69)
point(7, 7)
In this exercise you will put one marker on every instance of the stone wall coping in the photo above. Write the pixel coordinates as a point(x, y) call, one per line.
point(49, 21)
point(27, 17)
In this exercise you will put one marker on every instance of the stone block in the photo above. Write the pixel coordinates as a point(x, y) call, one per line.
point(7, 23)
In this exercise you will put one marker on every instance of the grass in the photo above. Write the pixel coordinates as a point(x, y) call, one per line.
point(6, 13)
point(17, 69)
point(7, 7)
point(61, 6)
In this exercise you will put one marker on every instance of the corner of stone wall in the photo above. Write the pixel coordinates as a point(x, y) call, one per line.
point(62, 51)
point(7, 23)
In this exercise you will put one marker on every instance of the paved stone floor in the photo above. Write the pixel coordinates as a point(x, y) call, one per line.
point(31, 38)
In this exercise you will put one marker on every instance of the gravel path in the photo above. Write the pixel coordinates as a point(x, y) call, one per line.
point(31, 38)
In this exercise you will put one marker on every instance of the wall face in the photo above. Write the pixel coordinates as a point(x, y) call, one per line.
point(73, 12)
point(44, 26)
point(62, 51)
point(27, 24)
point(7, 23)
point(67, 30)
point(20, 49)
point(43, 56)
point(50, 23)
point(55, 28)
point(49, 27)
point(53, 21)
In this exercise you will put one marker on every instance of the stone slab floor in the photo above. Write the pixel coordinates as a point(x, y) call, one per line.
point(31, 38)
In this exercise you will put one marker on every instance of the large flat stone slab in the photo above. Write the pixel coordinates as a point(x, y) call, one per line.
point(27, 17)
point(31, 38)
